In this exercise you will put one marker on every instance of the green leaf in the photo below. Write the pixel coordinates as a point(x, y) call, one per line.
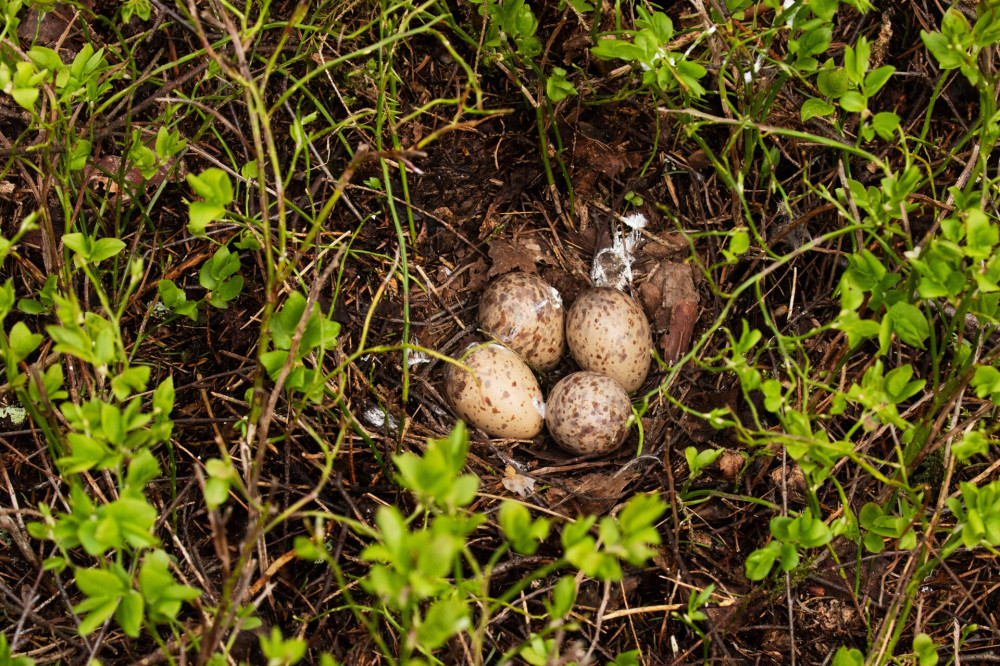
point(201, 214)
point(227, 291)
point(926, 651)
point(610, 49)
point(877, 78)
point(105, 248)
point(129, 613)
point(22, 341)
point(909, 323)
point(973, 443)
point(848, 657)
point(761, 561)
point(281, 651)
point(789, 556)
point(943, 51)
point(824, 9)
point(98, 614)
point(78, 243)
point(815, 107)
point(132, 380)
point(141, 470)
point(163, 397)
point(981, 234)
point(563, 598)
point(739, 241)
point(986, 381)
point(831, 81)
point(79, 154)
point(212, 185)
point(515, 521)
point(557, 87)
point(171, 294)
point(857, 329)
point(283, 325)
point(853, 102)
point(885, 124)
point(45, 58)
point(444, 619)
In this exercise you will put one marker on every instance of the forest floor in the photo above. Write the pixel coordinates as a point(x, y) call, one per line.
point(447, 163)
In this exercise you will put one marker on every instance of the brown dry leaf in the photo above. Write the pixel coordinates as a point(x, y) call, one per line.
point(730, 463)
point(697, 428)
point(598, 492)
point(478, 273)
point(508, 257)
point(675, 343)
point(517, 483)
point(668, 284)
point(796, 480)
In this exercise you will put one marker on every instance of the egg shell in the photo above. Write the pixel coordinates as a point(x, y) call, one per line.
point(607, 332)
point(526, 315)
point(587, 413)
point(505, 402)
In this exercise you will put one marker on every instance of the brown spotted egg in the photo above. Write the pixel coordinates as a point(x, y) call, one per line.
point(500, 397)
point(525, 314)
point(588, 413)
point(607, 332)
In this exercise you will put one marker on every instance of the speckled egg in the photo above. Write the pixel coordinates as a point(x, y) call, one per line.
point(505, 401)
point(588, 413)
point(525, 314)
point(607, 332)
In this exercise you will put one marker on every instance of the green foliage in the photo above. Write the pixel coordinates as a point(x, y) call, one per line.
point(791, 536)
point(978, 514)
point(557, 87)
point(880, 523)
point(698, 460)
point(958, 44)
point(523, 533)
point(925, 649)
point(318, 334)
point(174, 298)
point(140, 8)
point(88, 250)
point(435, 478)
point(218, 276)
point(281, 651)
point(668, 71)
point(412, 564)
point(848, 657)
point(7, 657)
point(511, 26)
point(216, 190)
point(220, 477)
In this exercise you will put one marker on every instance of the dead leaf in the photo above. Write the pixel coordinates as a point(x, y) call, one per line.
point(598, 492)
point(477, 275)
point(508, 257)
point(730, 463)
point(517, 483)
point(796, 481)
point(675, 343)
point(669, 283)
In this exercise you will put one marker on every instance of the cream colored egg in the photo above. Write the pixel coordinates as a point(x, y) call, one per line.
point(525, 314)
point(500, 397)
point(588, 413)
point(607, 332)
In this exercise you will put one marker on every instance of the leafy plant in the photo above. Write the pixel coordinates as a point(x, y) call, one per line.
point(664, 70)
point(218, 276)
